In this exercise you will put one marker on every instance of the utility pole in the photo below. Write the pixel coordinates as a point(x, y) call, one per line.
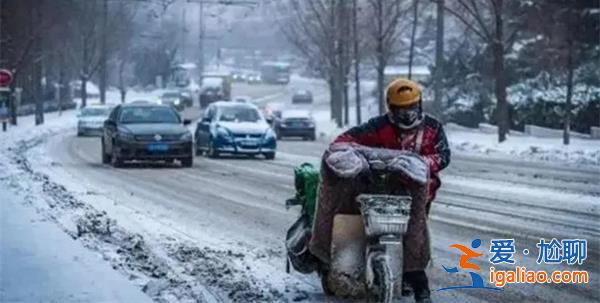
point(103, 54)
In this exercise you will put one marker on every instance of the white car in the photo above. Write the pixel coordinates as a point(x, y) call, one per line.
point(91, 119)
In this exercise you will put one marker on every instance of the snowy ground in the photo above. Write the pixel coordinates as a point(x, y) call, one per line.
point(215, 232)
point(33, 247)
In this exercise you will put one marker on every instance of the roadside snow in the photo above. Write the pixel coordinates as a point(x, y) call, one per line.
point(155, 254)
point(579, 152)
point(40, 263)
point(473, 141)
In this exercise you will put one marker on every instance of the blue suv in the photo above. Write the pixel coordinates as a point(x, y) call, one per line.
point(234, 128)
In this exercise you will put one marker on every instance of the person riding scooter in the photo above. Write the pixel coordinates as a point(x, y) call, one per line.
point(403, 127)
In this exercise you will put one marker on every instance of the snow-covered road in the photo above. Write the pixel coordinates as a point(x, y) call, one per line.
point(219, 226)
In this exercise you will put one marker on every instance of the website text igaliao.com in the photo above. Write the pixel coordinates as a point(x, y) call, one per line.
point(523, 276)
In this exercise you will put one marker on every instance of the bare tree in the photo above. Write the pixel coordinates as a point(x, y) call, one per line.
point(415, 22)
point(384, 37)
point(319, 30)
point(356, 56)
point(439, 59)
point(487, 20)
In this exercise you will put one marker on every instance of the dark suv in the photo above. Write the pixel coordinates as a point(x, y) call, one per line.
point(295, 123)
point(145, 131)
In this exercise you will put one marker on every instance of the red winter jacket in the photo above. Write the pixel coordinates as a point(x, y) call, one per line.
point(380, 132)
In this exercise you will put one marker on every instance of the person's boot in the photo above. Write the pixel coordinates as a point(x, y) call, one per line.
point(407, 290)
point(420, 286)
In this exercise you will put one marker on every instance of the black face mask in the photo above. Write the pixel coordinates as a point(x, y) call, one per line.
point(406, 117)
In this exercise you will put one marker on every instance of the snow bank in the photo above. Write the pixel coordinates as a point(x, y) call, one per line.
point(484, 141)
point(580, 151)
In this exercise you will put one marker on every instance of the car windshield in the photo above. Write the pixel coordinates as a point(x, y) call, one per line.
point(239, 114)
point(95, 111)
point(149, 114)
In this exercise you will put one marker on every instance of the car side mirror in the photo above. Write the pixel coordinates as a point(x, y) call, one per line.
point(206, 120)
point(269, 120)
point(187, 121)
point(110, 123)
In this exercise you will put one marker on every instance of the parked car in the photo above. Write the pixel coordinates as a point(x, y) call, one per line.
point(90, 120)
point(234, 128)
point(302, 96)
point(173, 98)
point(295, 123)
point(146, 131)
point(253, 78)
point(238, 76)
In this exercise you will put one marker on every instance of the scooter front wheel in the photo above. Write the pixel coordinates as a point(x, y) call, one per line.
point(380, 284)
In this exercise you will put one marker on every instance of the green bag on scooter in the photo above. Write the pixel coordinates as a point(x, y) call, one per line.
point(306, 181)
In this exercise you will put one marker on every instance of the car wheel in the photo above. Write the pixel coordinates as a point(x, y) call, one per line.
point(197, 150)
point(115, 160)
point(105, 157)
point(270, 156)
point(187, 162)
point(212, 152)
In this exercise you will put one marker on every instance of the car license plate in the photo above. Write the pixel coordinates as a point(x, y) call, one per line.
point(249, 143)
point(158, 147)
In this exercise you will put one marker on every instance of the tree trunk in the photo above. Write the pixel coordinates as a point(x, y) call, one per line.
point(13, 103)
point(36, 68)
point(412, 37)
point(103, 54)
point(499, 74)
point(122, 88)
point(356, 62)
point(338, 99)
point(567, 121)
point(439, 60)
point(346, 104)
point(83, 92)
point(380, 86)
point(331, 84)
point(380, 59)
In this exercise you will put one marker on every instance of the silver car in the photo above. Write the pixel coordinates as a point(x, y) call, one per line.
point(90, 119)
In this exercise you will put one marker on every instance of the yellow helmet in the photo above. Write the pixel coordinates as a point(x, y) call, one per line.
point(403, 92)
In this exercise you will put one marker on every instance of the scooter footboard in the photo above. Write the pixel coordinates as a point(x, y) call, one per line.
point(348, 245)
point(346, 277)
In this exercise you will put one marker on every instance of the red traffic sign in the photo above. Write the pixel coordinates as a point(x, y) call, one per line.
point(6, 77)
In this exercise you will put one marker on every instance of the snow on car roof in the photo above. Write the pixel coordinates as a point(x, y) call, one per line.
point(212, 81)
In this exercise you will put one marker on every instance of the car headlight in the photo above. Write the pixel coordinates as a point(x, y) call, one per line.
point(177, 101)
point(187, 136)
point(222, 132)
point(125, 136)
point(269, 134)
